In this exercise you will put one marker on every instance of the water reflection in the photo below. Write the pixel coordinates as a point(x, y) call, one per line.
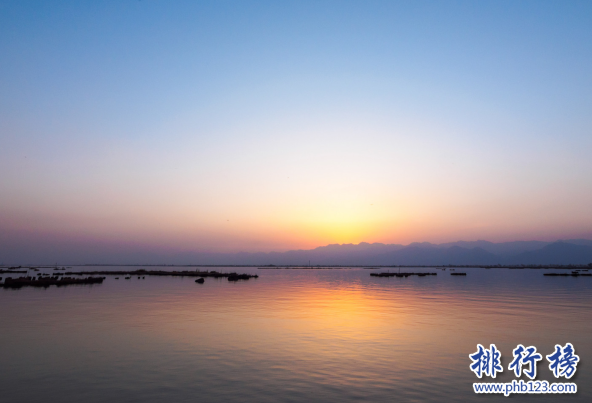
point(287, 336)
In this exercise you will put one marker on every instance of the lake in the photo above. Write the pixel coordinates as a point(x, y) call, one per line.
point(288, 336)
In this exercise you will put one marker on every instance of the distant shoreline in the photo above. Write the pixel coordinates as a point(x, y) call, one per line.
point(304, 267)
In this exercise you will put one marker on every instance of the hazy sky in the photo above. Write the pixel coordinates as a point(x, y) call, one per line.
point(226, 126)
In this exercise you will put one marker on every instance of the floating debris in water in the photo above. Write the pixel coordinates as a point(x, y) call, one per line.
point(185, 273)
point(48, 281)
point(236, 277)
point(389, 274)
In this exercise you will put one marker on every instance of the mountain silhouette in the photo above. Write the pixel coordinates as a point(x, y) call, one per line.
point(577, 251)
point(574, 251)
point(556, 253)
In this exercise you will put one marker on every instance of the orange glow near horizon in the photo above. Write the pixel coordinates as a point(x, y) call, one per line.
point(274, 233)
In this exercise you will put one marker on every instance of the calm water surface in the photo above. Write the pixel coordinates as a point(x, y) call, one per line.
point(288, 336)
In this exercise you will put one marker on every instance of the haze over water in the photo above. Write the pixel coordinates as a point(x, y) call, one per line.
point(288, 336)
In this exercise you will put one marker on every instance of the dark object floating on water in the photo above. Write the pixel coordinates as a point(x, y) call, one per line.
point(458, 274)
point(127, 278)
point(236, 277)
point(185, 273)
point(12, 271)
point(572, 274)
point(389, 274)
point(116, 278)
point(46, 282)
point(310, 268)
point(200, 280)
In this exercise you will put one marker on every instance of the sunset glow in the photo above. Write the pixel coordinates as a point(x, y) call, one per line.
point(249, 134)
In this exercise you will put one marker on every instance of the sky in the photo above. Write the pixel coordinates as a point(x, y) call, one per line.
point(266, 126)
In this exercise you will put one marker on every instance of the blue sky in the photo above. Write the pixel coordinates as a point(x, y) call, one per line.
point(275, 125)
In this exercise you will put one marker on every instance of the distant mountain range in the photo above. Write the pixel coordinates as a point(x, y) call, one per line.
point(573, 251)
